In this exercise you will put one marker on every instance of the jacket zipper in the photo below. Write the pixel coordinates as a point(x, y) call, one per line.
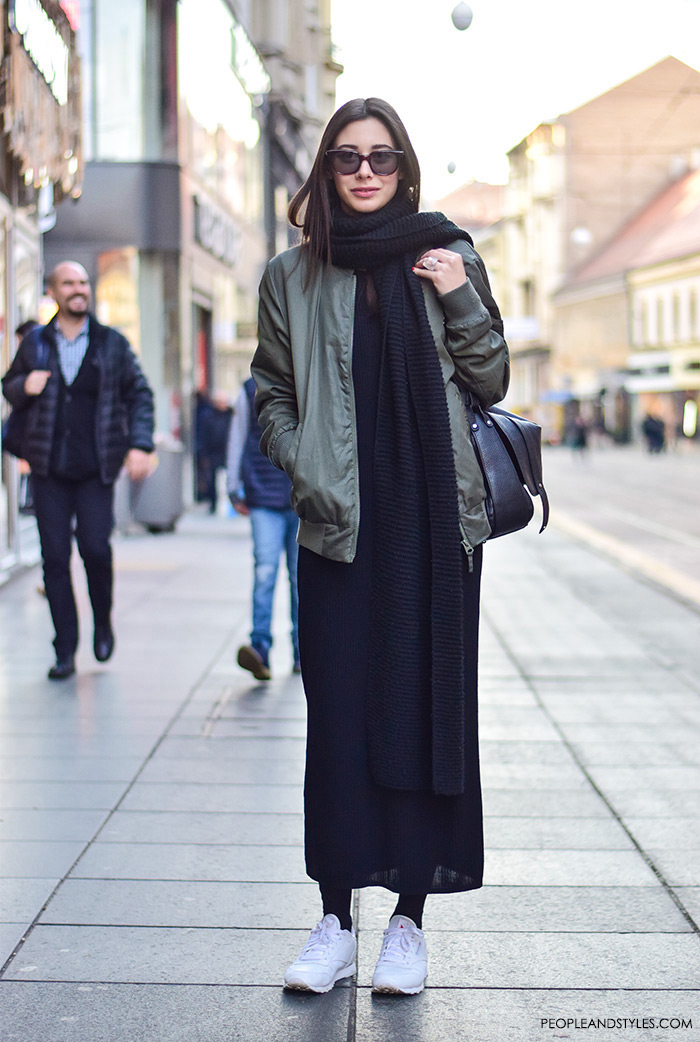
point(356, 531)
point(468, 548)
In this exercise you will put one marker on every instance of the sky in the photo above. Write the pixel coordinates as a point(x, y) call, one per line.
point(468, 97)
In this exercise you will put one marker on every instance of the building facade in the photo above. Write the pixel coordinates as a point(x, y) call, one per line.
point(662, 370)
point(169, 223)
point(628, 319)
point(663, 364)
point(478, 208)
point(40, 167)
point(294, 39)
point(574, 183)
point(184, 188)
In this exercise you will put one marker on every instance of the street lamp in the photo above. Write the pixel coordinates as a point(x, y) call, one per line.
point(462, 16)
point(461, 19)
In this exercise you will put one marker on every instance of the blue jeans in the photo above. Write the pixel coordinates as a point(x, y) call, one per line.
point(274, 533)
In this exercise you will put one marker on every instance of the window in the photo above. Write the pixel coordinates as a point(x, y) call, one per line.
point(639, 321)
point(651, 325)
point(676, 318)
point(528, 296)
point(119, 60)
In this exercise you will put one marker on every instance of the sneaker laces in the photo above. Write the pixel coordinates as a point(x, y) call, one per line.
point(321, 940)
point(399, 944)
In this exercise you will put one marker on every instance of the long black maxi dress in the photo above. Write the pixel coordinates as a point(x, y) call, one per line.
point(358, 833)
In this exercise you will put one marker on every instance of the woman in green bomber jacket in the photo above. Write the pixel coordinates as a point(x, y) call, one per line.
point(367, 330)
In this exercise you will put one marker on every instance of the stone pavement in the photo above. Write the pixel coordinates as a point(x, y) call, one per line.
point(153, 882)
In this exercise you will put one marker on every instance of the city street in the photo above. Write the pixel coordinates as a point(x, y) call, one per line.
point(153, 885)
point(642, 510)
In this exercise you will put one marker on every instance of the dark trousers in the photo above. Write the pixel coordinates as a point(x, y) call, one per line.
point(58, 504)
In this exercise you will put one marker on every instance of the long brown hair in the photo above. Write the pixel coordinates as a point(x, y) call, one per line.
point(314, 196)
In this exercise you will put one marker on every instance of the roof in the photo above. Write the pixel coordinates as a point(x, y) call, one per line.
point(656, 87)
point(475, 205)
point(667, 228)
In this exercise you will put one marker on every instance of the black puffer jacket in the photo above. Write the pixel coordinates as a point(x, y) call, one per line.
point(124, 401)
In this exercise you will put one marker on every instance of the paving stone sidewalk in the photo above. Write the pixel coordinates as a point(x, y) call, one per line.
point(153, 885)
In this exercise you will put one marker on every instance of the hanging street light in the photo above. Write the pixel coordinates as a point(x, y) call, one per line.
point(462, 16)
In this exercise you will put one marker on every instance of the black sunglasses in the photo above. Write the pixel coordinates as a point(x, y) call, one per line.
point(382, 161)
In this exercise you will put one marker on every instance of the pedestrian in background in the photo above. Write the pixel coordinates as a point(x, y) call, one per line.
point(202, 406)
point(25, 496)
point(214, 431)
point(262, 492)
point(367, 331)
point(654, 431)
point(24, 328)
point(90, 409)
point(578, 438)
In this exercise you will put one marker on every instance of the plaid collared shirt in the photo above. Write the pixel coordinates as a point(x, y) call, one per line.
point(72, 352)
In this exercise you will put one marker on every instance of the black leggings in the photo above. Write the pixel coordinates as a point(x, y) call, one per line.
point(337, 902)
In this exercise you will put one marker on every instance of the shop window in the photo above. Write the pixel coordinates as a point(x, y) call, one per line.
point(690, 418)
point(27, 266)
point(202, 321)
point(117, 293)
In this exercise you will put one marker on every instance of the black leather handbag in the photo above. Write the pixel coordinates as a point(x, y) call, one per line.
point(509, 451)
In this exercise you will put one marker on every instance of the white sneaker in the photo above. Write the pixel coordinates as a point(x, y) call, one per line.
point(403, 963)
point(327, 957)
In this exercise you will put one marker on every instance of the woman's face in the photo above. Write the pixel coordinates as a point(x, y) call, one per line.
point(365, 191)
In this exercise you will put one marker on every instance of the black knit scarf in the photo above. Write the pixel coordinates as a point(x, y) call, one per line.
point(415, 702)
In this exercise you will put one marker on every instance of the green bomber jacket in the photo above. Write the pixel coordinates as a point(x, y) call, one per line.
point(305, 401)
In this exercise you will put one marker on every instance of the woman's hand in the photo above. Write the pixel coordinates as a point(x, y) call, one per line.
point(444, 268)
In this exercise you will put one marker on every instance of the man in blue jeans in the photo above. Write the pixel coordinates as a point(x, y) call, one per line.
point(259, 489)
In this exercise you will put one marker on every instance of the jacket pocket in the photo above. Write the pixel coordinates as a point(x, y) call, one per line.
point(322, 484)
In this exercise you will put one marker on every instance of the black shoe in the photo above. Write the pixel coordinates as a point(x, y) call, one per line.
point(250, 658)
point(103, 644)
point(63, 668)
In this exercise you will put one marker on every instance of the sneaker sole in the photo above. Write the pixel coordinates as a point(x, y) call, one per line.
point(304, 986)
point(248, 661)
point(393, 989)
point(387, 989)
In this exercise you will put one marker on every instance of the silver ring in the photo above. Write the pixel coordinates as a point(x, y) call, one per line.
point(430, 263)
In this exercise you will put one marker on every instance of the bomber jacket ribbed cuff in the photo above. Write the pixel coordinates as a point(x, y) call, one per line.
point(463, 307)
point(279, 448)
